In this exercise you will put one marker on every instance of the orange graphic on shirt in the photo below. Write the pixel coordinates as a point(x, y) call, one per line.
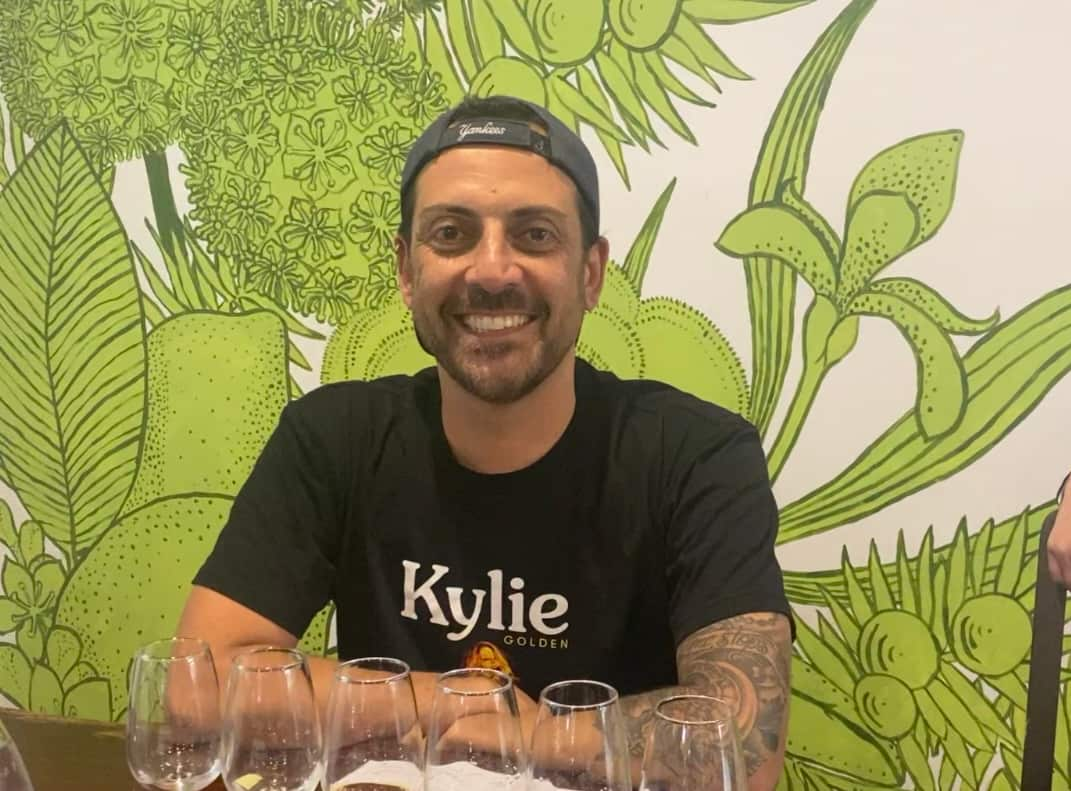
point(489, 656)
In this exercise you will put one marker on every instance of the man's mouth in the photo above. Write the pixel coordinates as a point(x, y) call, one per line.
point(483, 323)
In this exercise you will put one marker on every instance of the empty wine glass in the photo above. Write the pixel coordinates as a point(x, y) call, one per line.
point(172, 721)
point(373, 740)
point(693, 744)
point(474, 733)
point(271, 732)
point(579, 739)
point(13, 774)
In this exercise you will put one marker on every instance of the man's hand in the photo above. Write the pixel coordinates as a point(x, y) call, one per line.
point(1059, 548)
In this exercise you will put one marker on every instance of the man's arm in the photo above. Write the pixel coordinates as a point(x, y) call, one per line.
point(230, 628)
point(744, 660)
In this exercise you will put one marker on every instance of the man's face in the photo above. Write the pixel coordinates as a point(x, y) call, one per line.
point(495, 273)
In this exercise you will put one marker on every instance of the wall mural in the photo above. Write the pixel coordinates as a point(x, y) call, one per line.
point(137, 386)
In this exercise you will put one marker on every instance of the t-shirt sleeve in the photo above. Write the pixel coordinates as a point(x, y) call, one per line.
point(721, 527)
point(276, 552)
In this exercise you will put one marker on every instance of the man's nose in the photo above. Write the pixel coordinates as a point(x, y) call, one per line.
point(494, 262)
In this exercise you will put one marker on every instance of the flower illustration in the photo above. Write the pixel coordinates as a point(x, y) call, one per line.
point(385, 150)
point(317, 152)
point(312, 232)
point(330, 296)
point(199, 121)
point(79, 88)
point(290, 84)
point(194, 42)
point(276, 273)
point(376, 216)
point(424, 99)
point(130, 29)
point(64, 28)
point(247, 206)
point(335, 43)
point(252, 139)
point(104, 143)
point(378, 54)
point(144, 110)
point(29, 599)
point(361, 95)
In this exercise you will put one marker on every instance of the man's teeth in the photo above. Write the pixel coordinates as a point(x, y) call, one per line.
point(490, 323)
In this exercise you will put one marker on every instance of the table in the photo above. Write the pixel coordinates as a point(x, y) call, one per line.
point(63, 754)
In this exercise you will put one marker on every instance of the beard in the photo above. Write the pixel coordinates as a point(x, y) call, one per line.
point(498, 371)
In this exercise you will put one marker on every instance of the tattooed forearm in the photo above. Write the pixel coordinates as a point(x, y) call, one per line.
point(745, 661)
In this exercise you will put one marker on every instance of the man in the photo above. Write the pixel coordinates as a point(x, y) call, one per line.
point(513, 504)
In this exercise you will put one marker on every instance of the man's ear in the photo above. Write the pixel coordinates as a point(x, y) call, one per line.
point(405, 269)
point(595, 271)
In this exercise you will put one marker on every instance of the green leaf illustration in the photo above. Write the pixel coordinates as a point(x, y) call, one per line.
point(621, 89)
point(585, 110)
point(779, 232)
point(958, 581)
point(437, 56)
point(936, 307)
point(668, 80)
point(485, 30)
point(14, 675)
point(924, 169)
point(90, 699)
point(653, 93)
point(879, 229)
point(590, 88)
point(72, 386)
point(515, 27)
point(460, 31)
point(62, 650)
point(824, 660)
point(790, 195)
point(638, 257)
point(975, 702)
point(46, 692)
point(1008, 373)
point(708, 53)
point(677, 51)
point(727, 12)
point(1008, 573)
point(917, 764)
point(8, 536)
point(879, 586)
point(908, 595)
point(784, 155)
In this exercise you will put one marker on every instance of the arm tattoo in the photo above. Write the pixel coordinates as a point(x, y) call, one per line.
point(743, 660)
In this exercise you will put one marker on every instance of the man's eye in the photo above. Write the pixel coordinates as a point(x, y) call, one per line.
point(538, 235)
point(447, 233)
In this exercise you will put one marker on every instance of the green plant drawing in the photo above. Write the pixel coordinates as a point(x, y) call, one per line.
point(116, 71)
point(898, 201)
point(933, 668)
point(137, 386)
point(784, 157)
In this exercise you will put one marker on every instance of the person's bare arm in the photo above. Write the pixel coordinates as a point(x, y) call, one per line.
point(745, 660)
point(1059, 547)
point(230, 628)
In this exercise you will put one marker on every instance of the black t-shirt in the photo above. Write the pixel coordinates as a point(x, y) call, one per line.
point(651, 517)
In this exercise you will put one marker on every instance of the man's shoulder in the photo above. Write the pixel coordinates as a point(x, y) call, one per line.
point(664, 407)
point(370, 399)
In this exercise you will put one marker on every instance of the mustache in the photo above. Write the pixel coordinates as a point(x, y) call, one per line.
point(477, 299)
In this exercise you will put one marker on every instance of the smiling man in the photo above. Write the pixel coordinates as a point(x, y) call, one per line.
point(512, 506)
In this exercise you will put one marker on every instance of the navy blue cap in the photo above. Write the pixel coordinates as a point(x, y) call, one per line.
point(560, 145)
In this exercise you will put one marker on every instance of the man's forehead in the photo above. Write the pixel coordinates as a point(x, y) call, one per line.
point(493, 172)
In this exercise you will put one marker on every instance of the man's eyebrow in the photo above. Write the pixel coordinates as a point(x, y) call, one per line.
point(521, 212)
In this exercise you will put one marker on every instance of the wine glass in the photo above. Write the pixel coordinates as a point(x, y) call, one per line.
point(13, 775)
point(693, 744)
point(579, 739)
point(373, 739)
point(172, 720)
point(474, 733)
point(271, 726)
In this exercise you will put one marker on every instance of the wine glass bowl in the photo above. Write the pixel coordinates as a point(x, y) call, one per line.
point(173, 719)
point(271, 737)
point(373, 740)
point(579, 740)
point(474, 733)
point(693, 744)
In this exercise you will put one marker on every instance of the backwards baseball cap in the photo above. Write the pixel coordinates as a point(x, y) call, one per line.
point(559, 144)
